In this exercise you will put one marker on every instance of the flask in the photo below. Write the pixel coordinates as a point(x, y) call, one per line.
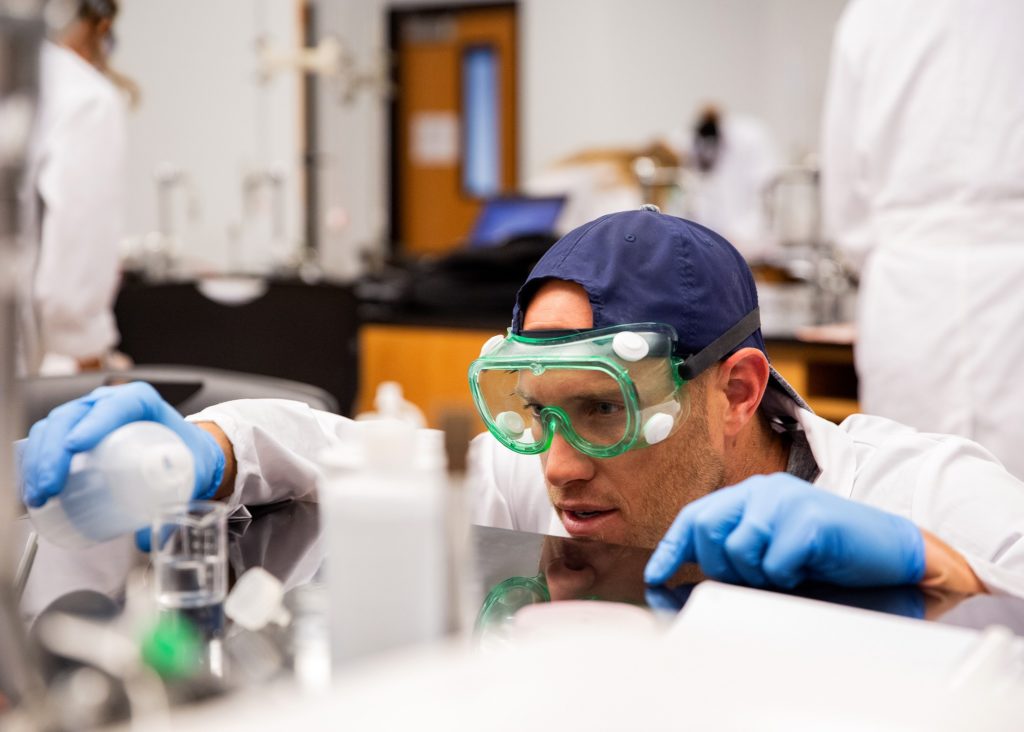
point(117, 487)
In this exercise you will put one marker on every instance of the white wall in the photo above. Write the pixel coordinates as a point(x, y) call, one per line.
point(605, 72)
point(593, 72)
point(204, 110)
point(596, 72)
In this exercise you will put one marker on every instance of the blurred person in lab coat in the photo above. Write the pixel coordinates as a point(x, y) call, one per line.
point(597, 181)
point(735, 159)
point(923, 185)
point(74, 197)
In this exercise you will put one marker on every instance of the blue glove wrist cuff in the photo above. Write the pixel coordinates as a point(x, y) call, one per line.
point(916, 563)
point(205, 492)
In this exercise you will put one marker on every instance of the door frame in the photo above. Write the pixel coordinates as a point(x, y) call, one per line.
point(394, 20)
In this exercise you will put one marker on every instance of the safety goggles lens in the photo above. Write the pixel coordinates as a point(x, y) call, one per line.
point(527, 405)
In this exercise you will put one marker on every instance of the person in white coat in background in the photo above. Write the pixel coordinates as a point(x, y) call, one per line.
point(923, 185)
point(74, 198)
point(735, 159)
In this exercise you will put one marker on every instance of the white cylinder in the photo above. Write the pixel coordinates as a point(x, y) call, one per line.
point(383, 512)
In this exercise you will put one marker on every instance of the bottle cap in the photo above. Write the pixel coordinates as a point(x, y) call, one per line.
point(256, 600)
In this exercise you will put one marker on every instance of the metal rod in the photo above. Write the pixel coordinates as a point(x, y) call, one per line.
point(21, 33)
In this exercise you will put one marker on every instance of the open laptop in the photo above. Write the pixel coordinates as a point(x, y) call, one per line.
point(507, 217)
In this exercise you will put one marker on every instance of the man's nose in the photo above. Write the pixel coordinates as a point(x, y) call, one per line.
point(565, 464)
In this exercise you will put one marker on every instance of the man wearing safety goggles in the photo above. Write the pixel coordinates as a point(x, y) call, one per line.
point(635, 368)
point(632, 401)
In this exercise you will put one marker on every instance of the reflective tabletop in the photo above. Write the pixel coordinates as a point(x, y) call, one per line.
point(508, 568)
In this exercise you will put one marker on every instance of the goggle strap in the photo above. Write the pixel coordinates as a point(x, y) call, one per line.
point(715, 351)
point(552, 333)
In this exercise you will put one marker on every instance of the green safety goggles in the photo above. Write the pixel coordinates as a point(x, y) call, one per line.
point(604, 391)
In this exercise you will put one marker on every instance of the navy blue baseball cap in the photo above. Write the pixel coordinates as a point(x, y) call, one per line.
point(644, 266)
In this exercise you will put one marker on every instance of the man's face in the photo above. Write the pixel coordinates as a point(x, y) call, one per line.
point(633, 498)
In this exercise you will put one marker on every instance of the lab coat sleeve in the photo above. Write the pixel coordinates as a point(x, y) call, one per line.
point(508, 489)
point(276, 443)
point(81, 185)
point(956, 489)
point(844, 194)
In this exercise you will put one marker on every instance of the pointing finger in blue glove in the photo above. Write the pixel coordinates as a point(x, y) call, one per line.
point(777, 530)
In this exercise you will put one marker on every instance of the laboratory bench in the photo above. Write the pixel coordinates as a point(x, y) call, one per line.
point(508, 571)
point(286, 540)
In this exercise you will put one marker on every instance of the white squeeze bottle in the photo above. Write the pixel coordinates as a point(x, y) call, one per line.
point(118, 487)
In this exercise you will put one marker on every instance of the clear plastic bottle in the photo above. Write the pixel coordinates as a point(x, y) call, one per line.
point(117, 487)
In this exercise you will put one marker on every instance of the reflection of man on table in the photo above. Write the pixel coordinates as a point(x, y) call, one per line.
point(634, 384)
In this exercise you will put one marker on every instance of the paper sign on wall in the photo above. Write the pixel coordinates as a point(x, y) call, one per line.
point(435, 139)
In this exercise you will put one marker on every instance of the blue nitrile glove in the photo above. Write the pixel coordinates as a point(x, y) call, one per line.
point(779, 530)
point(81, 424)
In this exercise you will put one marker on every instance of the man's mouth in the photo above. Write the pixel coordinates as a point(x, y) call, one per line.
point(587, 520)
point(585, 514)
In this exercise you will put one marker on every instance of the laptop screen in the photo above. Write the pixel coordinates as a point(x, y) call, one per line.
point(503, 218)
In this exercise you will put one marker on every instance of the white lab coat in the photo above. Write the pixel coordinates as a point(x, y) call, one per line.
point(74, 209)
point(945, 484)
point(729, 198)
point(923, 181)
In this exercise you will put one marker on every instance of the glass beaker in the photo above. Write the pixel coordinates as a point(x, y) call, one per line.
point(189, 553)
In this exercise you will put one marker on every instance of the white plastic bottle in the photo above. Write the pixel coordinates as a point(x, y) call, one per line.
point(118, 487)
point(383, 513)
point(390, 403)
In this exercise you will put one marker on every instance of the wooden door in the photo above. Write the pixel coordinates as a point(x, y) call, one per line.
point(453, 131)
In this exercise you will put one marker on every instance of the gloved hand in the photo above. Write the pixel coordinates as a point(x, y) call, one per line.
point(81, 424)
point(779, 530)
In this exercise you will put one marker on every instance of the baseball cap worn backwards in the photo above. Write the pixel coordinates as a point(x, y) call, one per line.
point(645, 266)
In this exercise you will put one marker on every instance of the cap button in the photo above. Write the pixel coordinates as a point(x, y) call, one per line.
point(650, 207)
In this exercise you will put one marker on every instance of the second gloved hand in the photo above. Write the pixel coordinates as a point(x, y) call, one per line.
point(777, 530)
point(81, 424)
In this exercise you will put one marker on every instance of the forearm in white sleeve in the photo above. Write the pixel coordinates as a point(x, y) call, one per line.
point(276, 443)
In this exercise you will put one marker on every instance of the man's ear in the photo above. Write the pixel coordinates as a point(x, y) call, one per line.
point(743, 378)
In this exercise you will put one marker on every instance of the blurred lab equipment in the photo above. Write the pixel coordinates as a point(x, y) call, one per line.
point(509, 235)
point(307, 333)
point(117, 487)
point(261, 252)
point(188, 389)
point(801, 280)
point(925, 189)
point(331, 59)
point(190, 555)
point(157, 253)
point(256, 600)
point(815, 287)
point(22, 690)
